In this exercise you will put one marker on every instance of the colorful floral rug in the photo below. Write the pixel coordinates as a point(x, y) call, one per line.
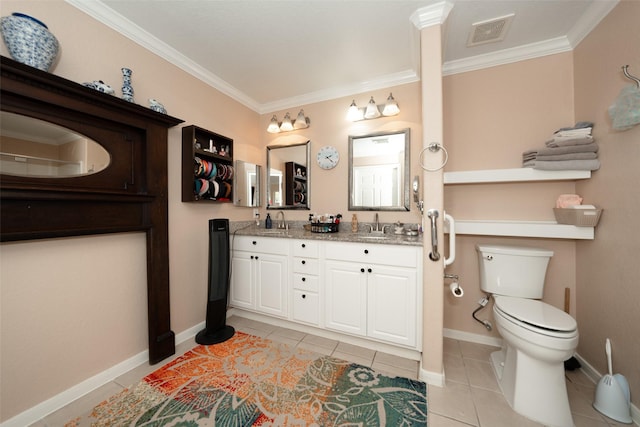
point(251, 381)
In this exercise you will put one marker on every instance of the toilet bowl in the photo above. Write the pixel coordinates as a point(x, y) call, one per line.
point(538, 338)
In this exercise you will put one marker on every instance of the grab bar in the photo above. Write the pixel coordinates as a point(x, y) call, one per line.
point(433, 215)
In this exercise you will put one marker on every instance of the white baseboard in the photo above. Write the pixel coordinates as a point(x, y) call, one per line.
point(61, 400)
point(471, 337)
point(431, 378)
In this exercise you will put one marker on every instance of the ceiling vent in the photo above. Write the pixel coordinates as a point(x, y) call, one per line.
point(489, 31)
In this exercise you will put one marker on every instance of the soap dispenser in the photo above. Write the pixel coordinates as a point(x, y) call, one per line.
point(267, 221)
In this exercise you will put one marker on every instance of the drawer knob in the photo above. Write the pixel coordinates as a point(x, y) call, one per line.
point(304, 262)
point(251, 256)
point(304, 246)
point(254, 242)
point(304, 279)
point(368, 270)
point(366, 251)
point(303, 296)
point(362, 270)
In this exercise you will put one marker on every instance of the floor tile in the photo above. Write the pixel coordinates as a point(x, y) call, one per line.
point(480, 374)
point(353, 358)
point(494, 411)
point(393, 360)
point(451, 346)
point(395, 371)
point(355, 350)
point(284, 340)
point(288, 333)
point(435, 420)
point(312, 347)
point(453, 401)
point(476, 351)
point(320, 342)
point(454, 369)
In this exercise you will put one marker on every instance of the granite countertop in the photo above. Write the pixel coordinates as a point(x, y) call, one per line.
point(296, 231)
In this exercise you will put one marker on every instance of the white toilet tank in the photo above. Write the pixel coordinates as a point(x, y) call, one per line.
point(512, 270)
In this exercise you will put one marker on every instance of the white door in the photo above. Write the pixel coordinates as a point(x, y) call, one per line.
point(271, 284)
point(241, 294)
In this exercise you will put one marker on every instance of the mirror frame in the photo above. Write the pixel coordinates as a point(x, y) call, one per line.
point(128, 196)
point(406, 190)
point(307, 205)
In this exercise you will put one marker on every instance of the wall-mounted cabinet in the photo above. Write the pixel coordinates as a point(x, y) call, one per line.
point(295, 184)
point(207, 166)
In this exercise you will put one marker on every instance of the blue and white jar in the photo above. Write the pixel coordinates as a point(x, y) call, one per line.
point(29, 40)
point(127, 89)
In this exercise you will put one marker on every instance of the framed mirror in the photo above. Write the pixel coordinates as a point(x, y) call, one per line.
point(379, 170)
point(288, 177)
point(246, 184)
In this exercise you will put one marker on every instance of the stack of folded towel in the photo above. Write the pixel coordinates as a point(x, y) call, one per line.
point(569, 149)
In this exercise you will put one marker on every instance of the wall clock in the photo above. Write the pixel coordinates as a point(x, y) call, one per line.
point(328, 157)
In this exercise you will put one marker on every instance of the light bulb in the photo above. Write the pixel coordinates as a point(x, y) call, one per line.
point(301, 121)
point(391, 107)
point(273, 125)
point(354, 113)
point(372, 110)
point(286, 123)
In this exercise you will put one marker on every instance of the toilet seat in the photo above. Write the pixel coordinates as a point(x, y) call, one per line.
point(536, 316)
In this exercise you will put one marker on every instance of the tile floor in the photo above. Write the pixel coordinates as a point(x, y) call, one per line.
point(471, 396)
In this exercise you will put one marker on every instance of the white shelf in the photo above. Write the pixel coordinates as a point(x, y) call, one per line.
point(542, 229)
point(512, 175)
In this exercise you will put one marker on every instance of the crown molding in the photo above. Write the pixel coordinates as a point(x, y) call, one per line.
point(507, 56)
point(434, 14)
point(122, 25)
point(595, 13)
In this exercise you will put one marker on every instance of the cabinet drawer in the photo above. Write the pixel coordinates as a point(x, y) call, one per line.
point(305, 248)
point(305, 282)
point(270, 245)
point(401, 256)
point(306, 265)
point(306, 307)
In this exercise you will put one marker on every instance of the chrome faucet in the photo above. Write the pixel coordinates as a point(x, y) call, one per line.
point(376, 223)
point(281, 224)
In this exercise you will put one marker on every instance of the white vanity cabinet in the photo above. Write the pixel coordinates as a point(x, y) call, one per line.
point(305, 281)
point(259, 274)
point(373, 290)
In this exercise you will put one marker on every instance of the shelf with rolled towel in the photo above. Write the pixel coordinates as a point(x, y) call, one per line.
point(513, 175)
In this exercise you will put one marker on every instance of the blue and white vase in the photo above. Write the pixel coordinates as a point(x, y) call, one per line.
point(29, 41)
point(127, 89)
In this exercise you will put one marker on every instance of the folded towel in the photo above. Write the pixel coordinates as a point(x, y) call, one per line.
point(529, 163)
point(556, 165)
point(591, 147)
point(568, 156)
point(583, 207)
point(578, 125)
point(568, 200)
point(562, 142)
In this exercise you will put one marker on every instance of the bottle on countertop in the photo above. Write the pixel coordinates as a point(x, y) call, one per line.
point(354, 223)
point(267, 221)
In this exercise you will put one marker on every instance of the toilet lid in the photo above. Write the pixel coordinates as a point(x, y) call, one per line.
point(536, 313)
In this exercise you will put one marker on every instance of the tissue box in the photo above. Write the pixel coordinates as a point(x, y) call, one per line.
point(578, 217)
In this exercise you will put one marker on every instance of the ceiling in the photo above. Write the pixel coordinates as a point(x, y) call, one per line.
point(272, 54)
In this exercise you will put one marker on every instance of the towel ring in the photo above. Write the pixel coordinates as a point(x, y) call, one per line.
point(434, 147)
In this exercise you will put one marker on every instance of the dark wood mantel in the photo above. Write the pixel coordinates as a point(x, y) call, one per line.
point(129, 195)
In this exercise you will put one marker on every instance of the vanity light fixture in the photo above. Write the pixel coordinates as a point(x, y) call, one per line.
point(301, 122)
point(373, 111)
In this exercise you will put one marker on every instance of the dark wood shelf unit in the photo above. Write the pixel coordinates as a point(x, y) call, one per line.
point(196, 142)
point(295, 183)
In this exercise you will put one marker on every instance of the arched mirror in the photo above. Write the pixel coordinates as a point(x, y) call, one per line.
point(246, 184)
point(34, 148)
point(379, 171)
point(288, 176)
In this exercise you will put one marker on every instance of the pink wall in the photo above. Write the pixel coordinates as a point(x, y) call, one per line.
point(491, 117)
point(608, 273)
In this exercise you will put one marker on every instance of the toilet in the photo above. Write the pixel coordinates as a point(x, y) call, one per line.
point(537, 337)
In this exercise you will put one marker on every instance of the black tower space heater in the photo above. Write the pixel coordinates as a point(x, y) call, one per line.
point(216, 329)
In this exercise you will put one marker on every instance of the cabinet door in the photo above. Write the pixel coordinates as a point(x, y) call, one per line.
point(306, 307)
point(392, 305)
point(271, 284)
point(241, 294)
point(346, 297)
